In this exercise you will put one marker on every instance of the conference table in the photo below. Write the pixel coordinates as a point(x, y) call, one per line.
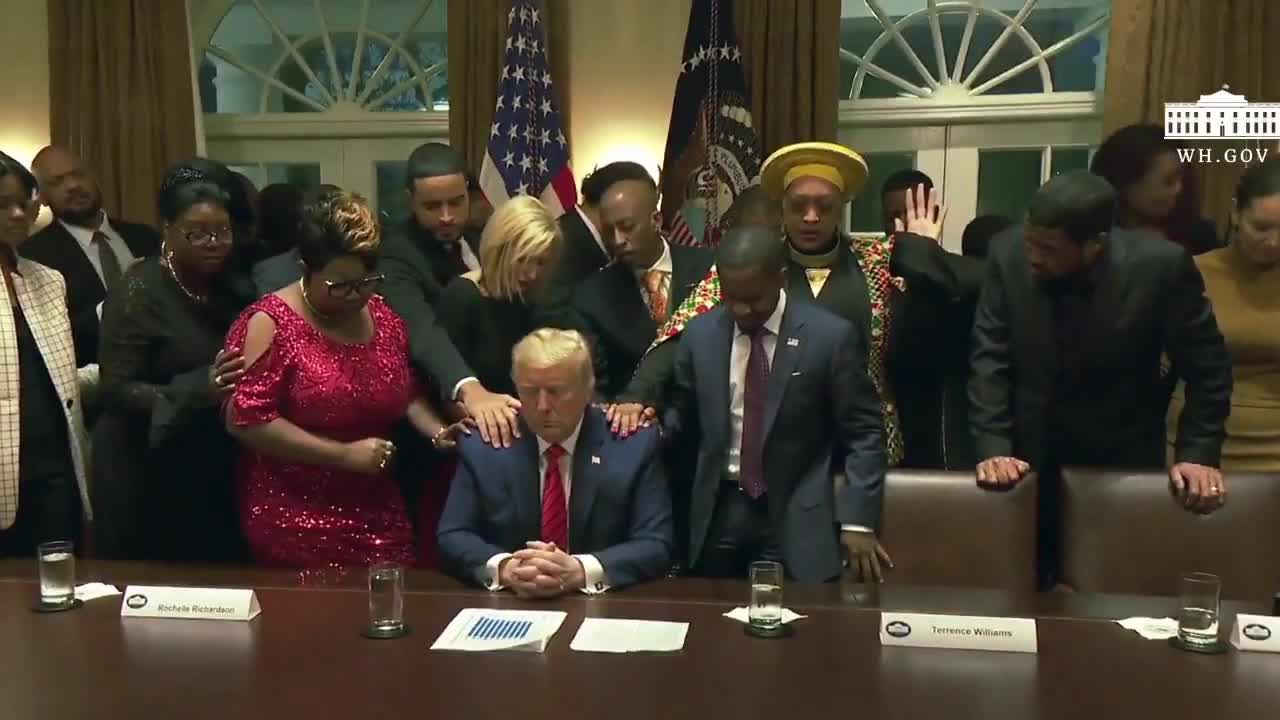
point(303, 657)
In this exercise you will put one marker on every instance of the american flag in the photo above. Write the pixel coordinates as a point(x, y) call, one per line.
point(528, 153)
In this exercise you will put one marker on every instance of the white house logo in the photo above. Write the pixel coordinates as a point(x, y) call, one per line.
point(1257, 632)
point(1222, 115)
point(136, 601)
point(898, 629)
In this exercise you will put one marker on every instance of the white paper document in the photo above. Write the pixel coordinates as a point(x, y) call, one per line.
point(93, 591)
point(477, 630)
point(623, 636)
point(1151, 628)
point(741, 615)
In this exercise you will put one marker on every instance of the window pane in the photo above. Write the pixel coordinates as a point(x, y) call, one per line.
point(1067, 159)
point(1077, 68)
point(866, 215)
point(393, 201)
point(985, 33)
point(406, 81)
point(1006, 181)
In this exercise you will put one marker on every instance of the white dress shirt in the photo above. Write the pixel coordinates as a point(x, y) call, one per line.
point(738, 356)
point(468, 255)
point(663, 264)
point(84, 236)
point(596, 581)
point(595, 231)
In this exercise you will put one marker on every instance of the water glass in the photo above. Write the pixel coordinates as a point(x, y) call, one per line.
point(386, 597)
point(1198, 610)
point(57, 561)
point(765, 610)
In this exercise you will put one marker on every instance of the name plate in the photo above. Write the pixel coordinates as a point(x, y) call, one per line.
point(188, 603)
point(1256, 633)
point(958, 632)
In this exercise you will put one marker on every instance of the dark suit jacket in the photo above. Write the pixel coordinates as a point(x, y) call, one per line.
point(275, 272)
point(417, 269)
point(580, 257)
point(821, 404)
point(619, 507)
point(1151, 299)
point(616, 321)
point(55, 247)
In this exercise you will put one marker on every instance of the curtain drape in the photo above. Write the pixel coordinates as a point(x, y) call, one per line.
point(1177, 50)
point(477, 42)
point(791, 53)
point(121, 94)
point(477, 36)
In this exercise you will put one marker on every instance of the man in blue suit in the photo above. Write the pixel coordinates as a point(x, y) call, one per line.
point(515, 515)
point(777, 396)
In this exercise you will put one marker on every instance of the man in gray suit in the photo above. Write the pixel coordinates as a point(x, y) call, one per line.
point(777, 397)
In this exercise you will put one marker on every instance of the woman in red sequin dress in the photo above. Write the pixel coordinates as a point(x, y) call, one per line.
point(328, 378)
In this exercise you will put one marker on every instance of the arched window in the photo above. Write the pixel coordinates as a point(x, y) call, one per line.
point(989, 97)
point(333, 91)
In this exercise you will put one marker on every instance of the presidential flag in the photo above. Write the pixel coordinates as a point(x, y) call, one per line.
point(713, 152)
point(528, 153)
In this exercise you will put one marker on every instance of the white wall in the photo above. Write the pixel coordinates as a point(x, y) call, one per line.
point(626, 56)
point(24, 84)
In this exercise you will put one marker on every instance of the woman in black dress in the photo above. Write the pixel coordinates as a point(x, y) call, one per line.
point(487, 311)
point(42, 473)
point(163, 462)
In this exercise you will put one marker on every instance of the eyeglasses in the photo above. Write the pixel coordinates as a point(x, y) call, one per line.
point(347, 289)
point(203, 237)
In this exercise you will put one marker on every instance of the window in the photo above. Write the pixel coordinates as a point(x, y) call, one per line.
point(298, 56)
point(990, 98)
point(322, 91)
point(913, 49)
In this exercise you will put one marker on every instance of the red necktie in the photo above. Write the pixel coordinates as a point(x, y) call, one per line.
point(754, 393)
point(555, 510)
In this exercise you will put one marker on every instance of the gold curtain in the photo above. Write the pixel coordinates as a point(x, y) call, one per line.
point(1177, 50)
point(477, 42)
point(477, 37)
point(791, 54)
point(120, 94)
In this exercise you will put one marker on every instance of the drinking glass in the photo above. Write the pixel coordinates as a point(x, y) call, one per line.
point(1198, 613)
point(765, 610)
point(386, 600)
point(57, 561)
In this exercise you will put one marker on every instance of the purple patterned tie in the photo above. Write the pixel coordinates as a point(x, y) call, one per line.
point(754, 392)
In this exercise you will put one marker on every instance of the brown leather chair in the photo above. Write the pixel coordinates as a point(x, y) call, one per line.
point(941, 529)
point(1123, 533)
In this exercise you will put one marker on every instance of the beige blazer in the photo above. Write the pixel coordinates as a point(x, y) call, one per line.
point(42, 295)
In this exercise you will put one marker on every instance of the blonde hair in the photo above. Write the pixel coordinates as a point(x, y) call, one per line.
point(546, 347)
point(519, 231)
point(337, 225)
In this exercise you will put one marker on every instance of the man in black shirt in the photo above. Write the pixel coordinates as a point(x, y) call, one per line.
point(1068, 334)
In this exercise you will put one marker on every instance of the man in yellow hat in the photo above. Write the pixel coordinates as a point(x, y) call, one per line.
point(813, 182)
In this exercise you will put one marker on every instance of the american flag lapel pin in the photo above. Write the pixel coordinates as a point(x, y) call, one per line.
point(595, 459)
point(793, 342)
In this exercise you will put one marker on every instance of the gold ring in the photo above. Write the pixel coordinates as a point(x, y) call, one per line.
point(218, 380)
point(382, 464)
point(1214, 489)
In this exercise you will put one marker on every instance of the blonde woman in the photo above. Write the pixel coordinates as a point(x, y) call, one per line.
point(487, 311)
